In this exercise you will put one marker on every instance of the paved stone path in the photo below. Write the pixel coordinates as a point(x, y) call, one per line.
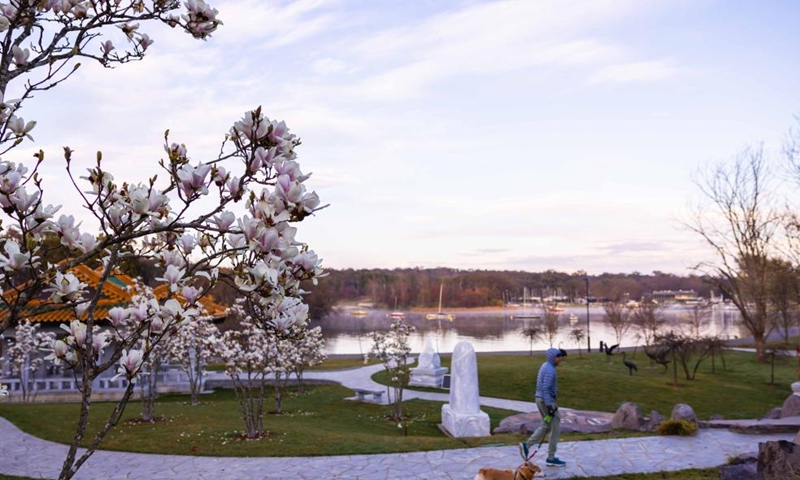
point(24, 455)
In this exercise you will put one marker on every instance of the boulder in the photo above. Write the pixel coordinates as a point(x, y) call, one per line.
point(717, 416)
point(628, 417)
point(791, 407)
point(778, 460)
point(681, 411)
point(653, 421)
point(773, 414)
point(797, 438)
point(741, 471)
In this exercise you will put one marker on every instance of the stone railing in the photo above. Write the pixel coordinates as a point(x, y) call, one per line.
point(170, 379)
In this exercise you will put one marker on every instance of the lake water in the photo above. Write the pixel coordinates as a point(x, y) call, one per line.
point(499, 332)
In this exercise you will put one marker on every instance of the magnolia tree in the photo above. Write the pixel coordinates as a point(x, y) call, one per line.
point(190, 347)
point(392, 349)
point(309, 352)
point(237, 207)
point(25, 358)
point(257, 351)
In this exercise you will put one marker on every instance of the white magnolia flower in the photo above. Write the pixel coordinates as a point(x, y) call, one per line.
point(65, 286)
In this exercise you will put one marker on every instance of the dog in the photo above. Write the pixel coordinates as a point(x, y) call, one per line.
point(526, 471)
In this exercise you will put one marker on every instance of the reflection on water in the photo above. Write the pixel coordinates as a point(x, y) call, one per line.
point(499, 332)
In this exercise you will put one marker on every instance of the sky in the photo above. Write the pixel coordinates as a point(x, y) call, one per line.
point(509, 135)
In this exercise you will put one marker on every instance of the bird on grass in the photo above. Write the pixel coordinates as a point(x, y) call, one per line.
point(610, 350)
point(631, 366)
point(658, 358)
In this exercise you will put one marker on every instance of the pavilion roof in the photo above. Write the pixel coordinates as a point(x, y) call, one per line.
point(118, 291)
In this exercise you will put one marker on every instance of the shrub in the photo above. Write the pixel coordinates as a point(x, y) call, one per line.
point(676, 427)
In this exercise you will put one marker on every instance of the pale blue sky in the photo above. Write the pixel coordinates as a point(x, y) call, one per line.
point(520, 135)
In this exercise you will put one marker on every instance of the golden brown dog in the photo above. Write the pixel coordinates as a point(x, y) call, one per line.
point(526, 471)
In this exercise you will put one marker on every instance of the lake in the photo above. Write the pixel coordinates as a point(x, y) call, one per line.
point(497, 331)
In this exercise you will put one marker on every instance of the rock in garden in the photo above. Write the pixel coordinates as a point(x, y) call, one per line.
point(773, 414)
point(681, 411)
point(717, 416)
point(797, 438)
point(778, 460)
point(628, 417)
point(653, 421)
point(742, 471)
point(791, 407)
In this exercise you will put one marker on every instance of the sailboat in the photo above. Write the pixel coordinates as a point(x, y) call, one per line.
point(525, 313)
point(396, 314)
point(440, 315)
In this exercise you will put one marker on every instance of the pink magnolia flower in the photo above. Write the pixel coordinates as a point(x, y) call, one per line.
point(118, 315)
point(130, 363)
point(223, 221)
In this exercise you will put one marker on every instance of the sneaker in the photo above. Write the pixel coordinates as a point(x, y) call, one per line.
point(555, 462)
point(523, 450)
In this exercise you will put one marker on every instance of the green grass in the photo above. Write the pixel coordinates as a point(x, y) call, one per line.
point(337, 426)
point(334, 363)
point(592, 383)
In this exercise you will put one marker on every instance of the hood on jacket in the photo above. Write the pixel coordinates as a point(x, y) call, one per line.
point(551, 355)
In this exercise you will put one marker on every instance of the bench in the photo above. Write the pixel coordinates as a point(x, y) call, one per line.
point(362, 393)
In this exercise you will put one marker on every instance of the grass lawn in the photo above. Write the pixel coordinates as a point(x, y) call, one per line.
point(337, 426)
point(743, 390)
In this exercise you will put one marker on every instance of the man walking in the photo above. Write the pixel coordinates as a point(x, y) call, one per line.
point(546, 395)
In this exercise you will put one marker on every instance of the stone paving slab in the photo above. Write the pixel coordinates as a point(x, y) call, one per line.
point(22, 454)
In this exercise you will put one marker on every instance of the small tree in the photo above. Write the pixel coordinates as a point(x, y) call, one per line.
point(716, 348)
point(25, 358)
point(618, 317)
point(577, 335)
point(696, 320)
point(392, 349)
point(671, 344)
point(533, 333)
point(252, 353)
point(551, 327)
point(191, 346)
point(310, 352)
point(648, 318)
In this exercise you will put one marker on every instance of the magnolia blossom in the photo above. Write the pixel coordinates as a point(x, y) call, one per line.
point(223, 221)
point(77, 333)
point(193, 179)
point(172, 258)
point(130, 364)
point(21, 55)
point(190, 294)
point(118, 315)
point(65, 286)
point(14, 258)
point(172, 277)
point(187, 243)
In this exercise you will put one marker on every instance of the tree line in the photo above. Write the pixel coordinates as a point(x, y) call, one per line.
point(405, 288)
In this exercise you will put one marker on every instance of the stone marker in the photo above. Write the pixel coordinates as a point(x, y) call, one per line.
point(429, 371)
point(462, 417)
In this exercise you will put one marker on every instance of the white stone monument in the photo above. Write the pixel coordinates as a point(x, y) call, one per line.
point(462, 417)
point(429, 371)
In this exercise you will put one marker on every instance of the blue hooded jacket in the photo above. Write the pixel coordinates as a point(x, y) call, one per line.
point(547, 380)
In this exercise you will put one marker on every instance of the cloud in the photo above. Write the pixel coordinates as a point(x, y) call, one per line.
point(652, 71)
point(633, 246)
